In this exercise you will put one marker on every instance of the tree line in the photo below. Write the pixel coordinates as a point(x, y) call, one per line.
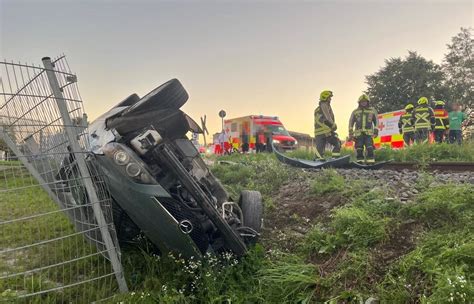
point(404, 80)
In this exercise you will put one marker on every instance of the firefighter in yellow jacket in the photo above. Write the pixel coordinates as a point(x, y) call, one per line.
point(424, 120)
point(325, 126)
point(441, 121)
point(406, 125)
point(362, 128)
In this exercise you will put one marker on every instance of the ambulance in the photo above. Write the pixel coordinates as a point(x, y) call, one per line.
point(254, 129)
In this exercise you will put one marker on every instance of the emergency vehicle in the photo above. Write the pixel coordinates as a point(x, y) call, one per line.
point(258, 129)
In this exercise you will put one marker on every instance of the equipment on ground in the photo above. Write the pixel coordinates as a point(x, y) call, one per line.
point(312, 164)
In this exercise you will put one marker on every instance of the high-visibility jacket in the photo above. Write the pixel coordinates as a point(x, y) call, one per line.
point(323, 119)
point(441, 119)
point(363, 121)
point(407, 122)
point(424, 117)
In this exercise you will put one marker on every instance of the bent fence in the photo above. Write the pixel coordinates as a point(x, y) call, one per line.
point(57, 238)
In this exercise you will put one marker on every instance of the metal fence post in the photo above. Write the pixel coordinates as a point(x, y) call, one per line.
point(88, 184)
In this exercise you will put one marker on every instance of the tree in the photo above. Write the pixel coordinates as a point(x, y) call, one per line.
point(458, 65)
point(404, 80)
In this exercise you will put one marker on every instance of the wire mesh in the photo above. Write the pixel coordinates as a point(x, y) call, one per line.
point(55, 244)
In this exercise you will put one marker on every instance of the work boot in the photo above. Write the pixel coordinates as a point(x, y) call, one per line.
point(360, 161)
point(370, 161)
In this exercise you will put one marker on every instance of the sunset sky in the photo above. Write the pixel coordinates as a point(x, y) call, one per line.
point(247, 57)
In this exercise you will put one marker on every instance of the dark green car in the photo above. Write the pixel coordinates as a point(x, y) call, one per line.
point(160, 185)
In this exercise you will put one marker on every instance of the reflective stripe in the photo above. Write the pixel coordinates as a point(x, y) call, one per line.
point(440, 116)
point(407, 123)
point(422, 118)
point(319, 127)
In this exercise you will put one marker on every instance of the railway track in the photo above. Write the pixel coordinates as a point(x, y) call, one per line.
point(434, 166)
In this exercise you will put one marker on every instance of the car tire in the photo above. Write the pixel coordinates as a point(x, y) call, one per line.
point(169, 95)
point(252, 209)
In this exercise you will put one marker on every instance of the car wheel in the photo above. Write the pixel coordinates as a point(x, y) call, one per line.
point(171, 94)
point(252, 209)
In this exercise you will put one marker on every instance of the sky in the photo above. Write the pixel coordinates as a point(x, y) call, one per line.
point(246, 57)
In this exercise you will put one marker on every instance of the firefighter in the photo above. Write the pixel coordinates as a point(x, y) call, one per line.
point(406, 125)
point(325, 126)
point(363, 127)
point(424, 120)
point(441, 128)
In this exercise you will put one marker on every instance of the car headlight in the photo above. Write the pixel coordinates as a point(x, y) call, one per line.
point(121, 158)
point(296, 142)
point(276, 141)
point(128, 162)
point(133, 169)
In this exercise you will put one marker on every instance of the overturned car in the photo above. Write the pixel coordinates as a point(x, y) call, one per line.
point(159, 183)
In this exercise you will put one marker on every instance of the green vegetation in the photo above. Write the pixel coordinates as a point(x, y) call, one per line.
point(428, 153)
point(367, 244)
point(417, 153)
point(328, 181)
point(31, 200)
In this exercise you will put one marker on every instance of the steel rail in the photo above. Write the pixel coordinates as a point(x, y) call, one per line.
point(433, 166)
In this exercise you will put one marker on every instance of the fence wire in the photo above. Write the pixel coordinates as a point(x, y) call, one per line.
point(57, 239)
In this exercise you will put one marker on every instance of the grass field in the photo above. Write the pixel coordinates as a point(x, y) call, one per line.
point(327, 239)
point(22, 197)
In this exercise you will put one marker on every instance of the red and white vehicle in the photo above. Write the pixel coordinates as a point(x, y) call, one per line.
point(258, 129)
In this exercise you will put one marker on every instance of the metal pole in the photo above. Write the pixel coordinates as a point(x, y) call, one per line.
point(81, 163)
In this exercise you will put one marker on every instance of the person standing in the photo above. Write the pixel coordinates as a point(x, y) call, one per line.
point(325, 126)
point(245, 140)
point(260, 146)
point(424, 120)
point(441, 122)
point(456, 118)
point(406, 125)
point(363, 127)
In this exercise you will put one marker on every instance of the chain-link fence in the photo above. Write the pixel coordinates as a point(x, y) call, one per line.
point(57, 239)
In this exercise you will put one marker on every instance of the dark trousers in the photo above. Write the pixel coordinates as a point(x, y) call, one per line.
point(455, 136)
point(322, 140)
point(421, 135)
point(409, 138)
point(439, 135)
point(364, 142)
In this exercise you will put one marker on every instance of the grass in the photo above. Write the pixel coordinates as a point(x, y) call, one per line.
point(428, 153)
point(368, 245)
point(21, 197)
point(417, 153)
